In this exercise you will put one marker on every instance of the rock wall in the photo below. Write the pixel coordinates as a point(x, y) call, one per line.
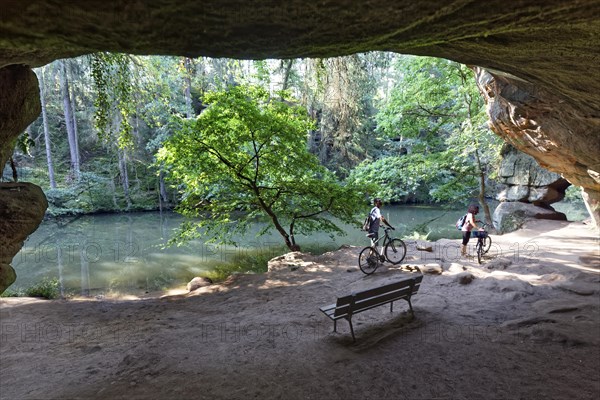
point(529, 190)
point(22, 208)
point(561, 137)
point(22, 205)
point(19, 106)
point(527, 182)
point(512, 215)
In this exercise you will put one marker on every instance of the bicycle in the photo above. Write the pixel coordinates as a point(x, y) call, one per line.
point(484, 242)
point(393, 250)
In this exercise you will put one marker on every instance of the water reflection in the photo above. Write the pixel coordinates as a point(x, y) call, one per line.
point(125, 253)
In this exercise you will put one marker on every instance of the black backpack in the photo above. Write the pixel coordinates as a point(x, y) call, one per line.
point(367, 224)
point(461, 222)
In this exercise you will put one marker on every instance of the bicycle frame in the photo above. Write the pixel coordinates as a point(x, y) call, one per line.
point(386, 239)
point(481, 236)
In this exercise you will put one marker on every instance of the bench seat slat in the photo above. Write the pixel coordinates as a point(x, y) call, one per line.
point(382, 290)
point(382, 299)
point(339, 309)
point(328, 310)
point(331, 313)
point(336, 313)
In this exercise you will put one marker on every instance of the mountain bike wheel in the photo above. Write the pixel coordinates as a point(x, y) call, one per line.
point(395, 251)
point(368, 260)
point(487, 243)
point(479, 249)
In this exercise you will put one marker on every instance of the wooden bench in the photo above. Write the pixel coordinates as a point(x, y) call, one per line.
point(347, 306)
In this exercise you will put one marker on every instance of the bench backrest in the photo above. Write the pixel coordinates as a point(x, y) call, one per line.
point(377, 296)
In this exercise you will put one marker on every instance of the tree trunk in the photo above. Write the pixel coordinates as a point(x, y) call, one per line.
point(64, 83)
point(114, 193)
point(187, 63)
point(286, 75)
point(74, 116)
point(46, 131)
point(124, 176)
point(122, 160)
point(13, 167)
point(289, 241)
point(164, 196)
point(484, 204)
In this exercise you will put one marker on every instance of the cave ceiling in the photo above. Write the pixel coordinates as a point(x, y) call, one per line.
point(552, 43)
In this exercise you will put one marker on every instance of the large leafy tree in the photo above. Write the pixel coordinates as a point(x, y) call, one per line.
point(442, 149)
point(246, 157)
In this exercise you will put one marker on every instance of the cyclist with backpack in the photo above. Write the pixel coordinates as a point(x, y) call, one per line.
point(376, 218)
point(468, 225)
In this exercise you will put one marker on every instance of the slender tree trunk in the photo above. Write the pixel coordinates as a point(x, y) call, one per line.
point(289, 241)
point(122, 159)
point(46, 131)
point(114, 193)
point(286, 75)
point(481, 168)
point(74, 116)
point(13, 167)
point(160, 202)
point(482, 201)
point(124, 176)
point(136, 136)
point(187, 63)
point(64, 83)
point(164, 196)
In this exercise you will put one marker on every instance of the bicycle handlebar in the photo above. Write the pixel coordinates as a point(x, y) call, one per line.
point(485, 224)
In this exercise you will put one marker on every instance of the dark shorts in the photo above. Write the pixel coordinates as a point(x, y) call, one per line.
point(373, 236)
point(466, 237)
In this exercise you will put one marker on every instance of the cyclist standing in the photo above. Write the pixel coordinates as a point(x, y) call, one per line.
point(392, 249)
point(376, 220)
point(469, 224)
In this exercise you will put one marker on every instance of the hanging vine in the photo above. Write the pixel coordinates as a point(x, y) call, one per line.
point(111, 74)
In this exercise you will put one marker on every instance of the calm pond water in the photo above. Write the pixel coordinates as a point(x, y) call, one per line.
point(126, 253)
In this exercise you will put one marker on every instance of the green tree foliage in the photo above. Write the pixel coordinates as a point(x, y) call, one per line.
point(412, 178)
point(339, 92)
point(247, 153)
point(440, 143)
point(422, 102)
point(414, 126)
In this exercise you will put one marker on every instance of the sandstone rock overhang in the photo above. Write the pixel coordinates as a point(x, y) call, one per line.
point(554, 43)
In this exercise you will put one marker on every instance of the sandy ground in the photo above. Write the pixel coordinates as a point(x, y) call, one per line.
point(526, 327)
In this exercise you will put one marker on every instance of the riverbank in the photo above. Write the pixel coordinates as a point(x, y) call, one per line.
point(525, 324)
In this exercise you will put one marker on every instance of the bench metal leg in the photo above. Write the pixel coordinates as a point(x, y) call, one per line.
point(351, 329)
point(411, 309)
point(392, 306)
point(335, 325)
